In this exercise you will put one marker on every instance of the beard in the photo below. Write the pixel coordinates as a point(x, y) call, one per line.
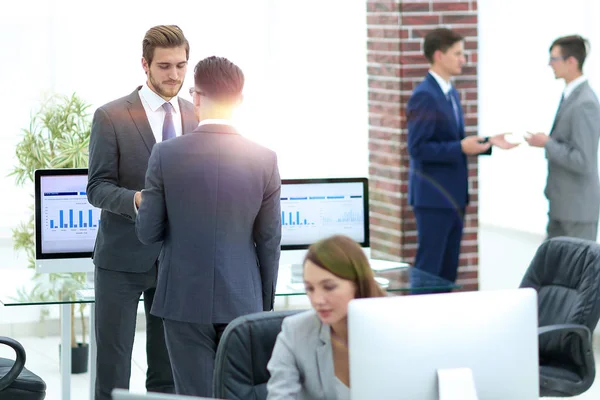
point(164, 90)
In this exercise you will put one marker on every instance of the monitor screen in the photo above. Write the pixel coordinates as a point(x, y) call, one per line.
point(402, 343)
point(66, 224)
point(312, 209)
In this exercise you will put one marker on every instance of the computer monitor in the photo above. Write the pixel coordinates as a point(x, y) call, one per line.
point(65, 223)
point(313, 209)
point(398, 344)
point(122, 394)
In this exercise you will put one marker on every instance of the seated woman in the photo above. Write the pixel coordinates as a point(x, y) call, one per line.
point(310, 358)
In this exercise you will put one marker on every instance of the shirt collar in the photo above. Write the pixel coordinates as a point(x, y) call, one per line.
point(573, 85)
point(215, 121)
point(154, 101)
point(446, 86)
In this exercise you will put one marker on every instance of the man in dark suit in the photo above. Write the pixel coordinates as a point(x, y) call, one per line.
point(123, 134)
point(213, 197)
point(438, 148)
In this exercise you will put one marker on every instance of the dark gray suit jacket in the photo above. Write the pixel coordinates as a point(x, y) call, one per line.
point(120, 144)
point(214, 198)
point(572, 188)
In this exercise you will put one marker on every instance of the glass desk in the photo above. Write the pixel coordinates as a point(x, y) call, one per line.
point(68, 289)
point(77, 287)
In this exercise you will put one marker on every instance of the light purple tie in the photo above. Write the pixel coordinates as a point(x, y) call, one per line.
point(168, 131)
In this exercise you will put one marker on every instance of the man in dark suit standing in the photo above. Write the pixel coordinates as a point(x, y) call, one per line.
point(213, 197)
point(123, 134)
point(438, 148)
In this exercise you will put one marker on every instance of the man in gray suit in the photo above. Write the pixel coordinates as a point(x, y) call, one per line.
point(123, 134)
point(573, 188)
point(213, 197)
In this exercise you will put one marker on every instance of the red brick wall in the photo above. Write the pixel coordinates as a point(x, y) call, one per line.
point(395, 66)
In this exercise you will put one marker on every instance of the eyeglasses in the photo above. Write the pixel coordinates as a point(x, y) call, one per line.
point(194, 90)
point(557, 58)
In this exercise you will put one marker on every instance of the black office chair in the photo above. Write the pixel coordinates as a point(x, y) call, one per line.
point(566, 274)
point(243, 353)
point(16, 382)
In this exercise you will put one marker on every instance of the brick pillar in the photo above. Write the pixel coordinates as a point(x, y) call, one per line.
point(396, 65)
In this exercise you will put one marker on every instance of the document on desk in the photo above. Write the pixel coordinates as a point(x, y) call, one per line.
point(456, 384)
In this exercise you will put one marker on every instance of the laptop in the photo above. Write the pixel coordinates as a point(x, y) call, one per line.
point(121, 394)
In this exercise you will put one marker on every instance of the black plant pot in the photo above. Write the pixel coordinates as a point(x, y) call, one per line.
point(79, 358)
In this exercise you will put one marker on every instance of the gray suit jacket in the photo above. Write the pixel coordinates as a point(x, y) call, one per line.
point(214, 198)
point(572, 188)
point(120, 143)
point(301, 365)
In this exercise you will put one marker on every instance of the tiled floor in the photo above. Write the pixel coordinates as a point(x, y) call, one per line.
point(500, 269)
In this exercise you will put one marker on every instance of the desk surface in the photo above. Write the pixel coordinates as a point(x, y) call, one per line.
point(65, 288)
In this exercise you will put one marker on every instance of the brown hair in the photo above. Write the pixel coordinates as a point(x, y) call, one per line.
point(344, 258)
point(572, 46)
point(219, 79)
point(164, 36)
point(439, 39)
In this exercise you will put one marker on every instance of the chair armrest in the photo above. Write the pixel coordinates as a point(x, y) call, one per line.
point(17, 367)
point(581, 330)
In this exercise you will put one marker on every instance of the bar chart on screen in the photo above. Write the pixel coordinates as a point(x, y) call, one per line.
point(69, 216)
point(320, 214)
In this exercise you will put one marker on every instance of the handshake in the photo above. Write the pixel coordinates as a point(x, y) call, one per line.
point(473, 145)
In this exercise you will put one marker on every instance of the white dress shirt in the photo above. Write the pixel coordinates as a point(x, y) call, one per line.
point(153, 103)
point(215, 121)
point(573, 85)
point(445, 85)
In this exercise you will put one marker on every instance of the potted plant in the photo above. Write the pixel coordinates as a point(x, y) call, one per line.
point(58, 137)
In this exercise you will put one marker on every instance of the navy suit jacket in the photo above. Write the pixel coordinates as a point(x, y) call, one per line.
point(439, 173)
point(213, 197)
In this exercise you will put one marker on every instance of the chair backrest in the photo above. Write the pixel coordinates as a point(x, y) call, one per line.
point(243, 353)
point(566, 274)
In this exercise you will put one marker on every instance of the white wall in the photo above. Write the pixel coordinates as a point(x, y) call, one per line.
point(305, 67)
point(518, 93)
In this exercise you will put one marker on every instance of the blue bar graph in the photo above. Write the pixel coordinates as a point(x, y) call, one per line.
point(293, 220)
point(72, 222)
point(348, 216)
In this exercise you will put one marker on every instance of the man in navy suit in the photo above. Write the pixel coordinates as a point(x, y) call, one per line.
point(438, 148)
